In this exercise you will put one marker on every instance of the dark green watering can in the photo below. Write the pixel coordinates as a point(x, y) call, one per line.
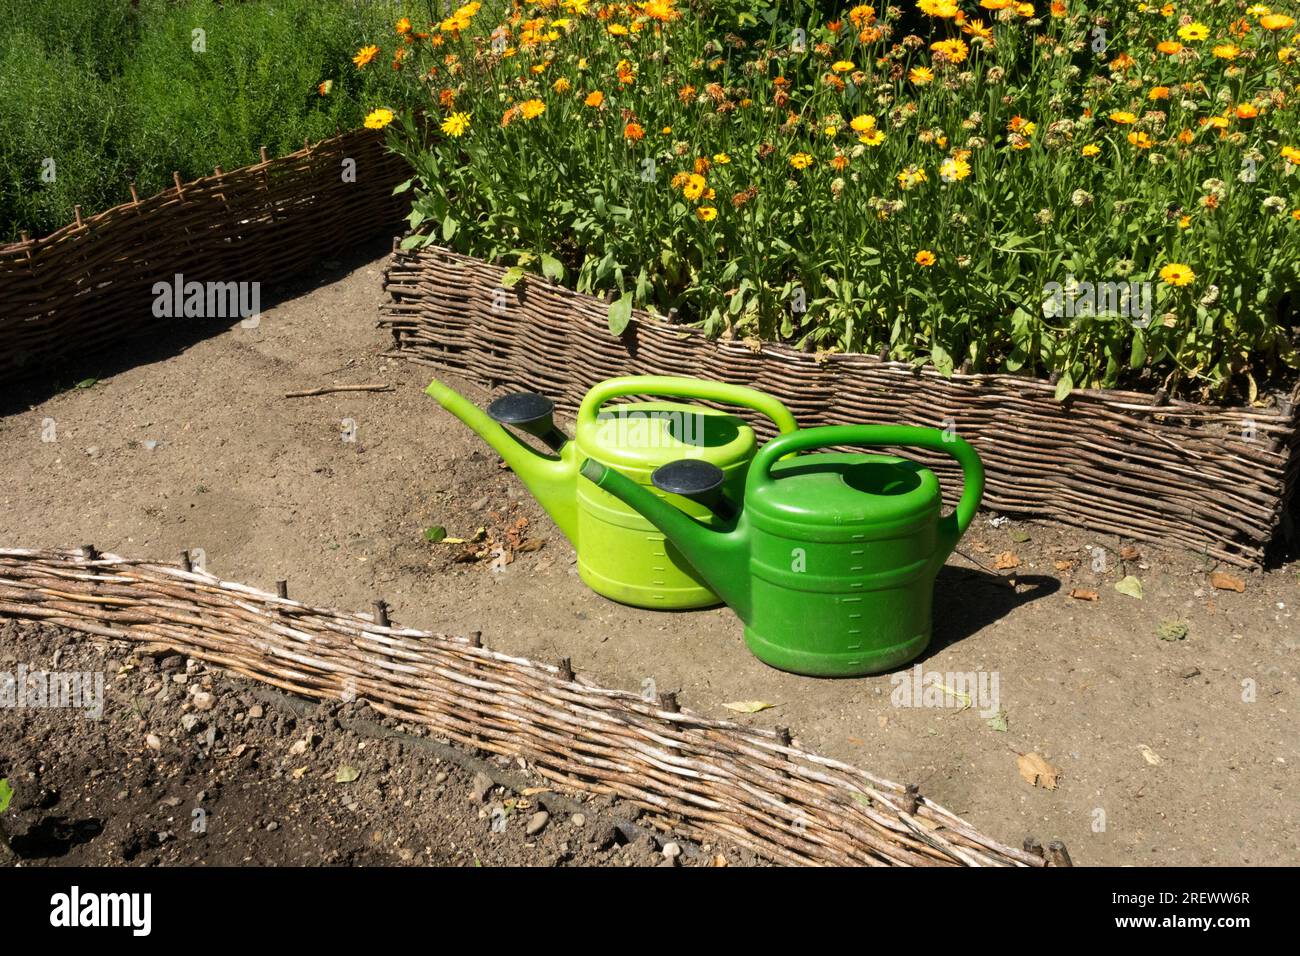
point(831, 560)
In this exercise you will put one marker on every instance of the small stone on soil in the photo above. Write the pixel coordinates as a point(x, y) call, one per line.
point(537, 823)
point(482, 784)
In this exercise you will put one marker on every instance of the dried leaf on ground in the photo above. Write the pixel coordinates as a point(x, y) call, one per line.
point(748, 706)
point(1227, 582)
point(1150, 756)
point(1037, 771)
point(1084, 594)
point(1006, 561)
point(1131, 586)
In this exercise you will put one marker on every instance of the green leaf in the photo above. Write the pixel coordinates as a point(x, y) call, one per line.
point(1064, 385)
point(552, 268)
point(402, 187)
point(87, 383)
point(941, 359)
point(411, 241)
point(435, 534)
point(6, 794)
point(448, 228)
point(346, 774)
point(512, 277)
point(1130, 586)
point(620, 313)
point(998, 721)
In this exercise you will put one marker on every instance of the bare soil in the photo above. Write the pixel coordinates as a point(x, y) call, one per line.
point(1169, 750)
point(187, 766)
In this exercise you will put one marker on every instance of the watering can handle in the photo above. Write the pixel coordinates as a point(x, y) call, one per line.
point(952, 527)
point(677, 387)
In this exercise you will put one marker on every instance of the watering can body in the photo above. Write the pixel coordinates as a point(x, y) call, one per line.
point(621, 554)
point(832, 560)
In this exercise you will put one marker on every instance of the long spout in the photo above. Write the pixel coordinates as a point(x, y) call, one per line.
point(552, 479)
point(720, 557)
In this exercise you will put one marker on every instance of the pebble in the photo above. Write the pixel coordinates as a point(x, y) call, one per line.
point(298, 747)
point(273, 826)
point(406, 854)
point(537, 823)
point(482, 784)
point(153, 742)
point(578, 820)
point(191, 722)
point(204, 701)
point(672, 850)
point(441, 777)
point(255, 712)
point(179, 678)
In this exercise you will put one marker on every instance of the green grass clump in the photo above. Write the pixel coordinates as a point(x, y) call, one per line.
point(112, 93)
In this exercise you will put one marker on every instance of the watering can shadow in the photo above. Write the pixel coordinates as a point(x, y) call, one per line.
point(967, 601)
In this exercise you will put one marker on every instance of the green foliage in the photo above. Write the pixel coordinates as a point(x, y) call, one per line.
point(114, 93)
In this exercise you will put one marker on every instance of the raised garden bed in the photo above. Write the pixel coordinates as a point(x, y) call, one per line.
point(90, 284)
point(1212, 479)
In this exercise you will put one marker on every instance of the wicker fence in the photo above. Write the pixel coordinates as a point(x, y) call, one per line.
point(89, 285)
point(699, 777)
point(1216, 480)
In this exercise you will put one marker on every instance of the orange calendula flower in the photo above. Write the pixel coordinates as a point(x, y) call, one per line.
point(633, 132)
point(1140, 140)
point(1169, 47)
point(1246, 111)
point(1158, 93)
point(403, 26)
point(925, 258)
point(594, 99)
point(365, 55)
point(325, 88)
point(1276, 21)
point(839, 162)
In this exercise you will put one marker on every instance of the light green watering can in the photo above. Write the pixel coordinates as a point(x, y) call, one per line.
point(621, 554)
point(831, 559)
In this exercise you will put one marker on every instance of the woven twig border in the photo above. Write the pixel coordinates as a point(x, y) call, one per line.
point(1211, 479)
point(88, 285)
point(697, 776)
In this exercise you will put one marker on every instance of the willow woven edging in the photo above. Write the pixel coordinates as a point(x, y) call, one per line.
point(1216, 480)
point(89, 285)
point(697, 776)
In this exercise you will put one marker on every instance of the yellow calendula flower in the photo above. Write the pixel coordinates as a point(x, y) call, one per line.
point(706, 214)
point(911, 177)
point(616, 30)
point(1090, 150)
point(721, 159)
point(873, 138)
point(863, 123)
point(456, 124)
point(924, 257)
point(1193, 32)
point(954, 169)
point(561, 85)
point(531, 109)
point(954, 50)
point(1140, 140)
point(1177, 274)
point(1226, 51)
point(801, 160)
point(694, 186)
point(842, 66)
point(365, 55)
point(1291, 154)
point(1123, 118)
point(378, 119)
point(920, 75)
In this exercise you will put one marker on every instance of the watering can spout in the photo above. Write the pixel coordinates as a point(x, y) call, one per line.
point(720, 557)
point(552, 479)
